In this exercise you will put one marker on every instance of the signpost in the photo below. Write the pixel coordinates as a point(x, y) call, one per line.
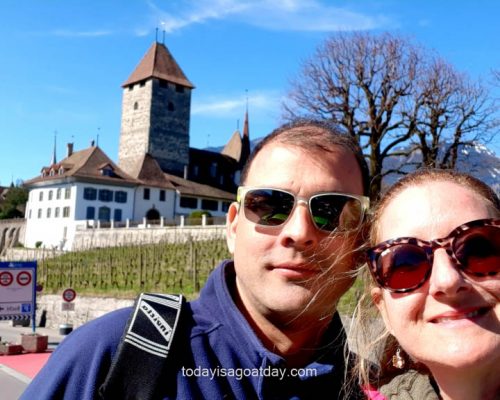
point(17, 291)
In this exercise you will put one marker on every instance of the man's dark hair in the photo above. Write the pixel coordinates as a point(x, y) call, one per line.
point(315, 136)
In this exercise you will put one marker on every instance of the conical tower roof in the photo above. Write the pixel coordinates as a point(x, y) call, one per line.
point(158, 63)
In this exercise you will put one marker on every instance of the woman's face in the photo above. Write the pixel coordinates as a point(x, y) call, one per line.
point(453, 319)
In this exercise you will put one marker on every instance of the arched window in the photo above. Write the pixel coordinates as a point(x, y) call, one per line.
point(153, 215)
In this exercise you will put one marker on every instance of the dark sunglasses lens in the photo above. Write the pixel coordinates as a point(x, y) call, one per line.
point(403, 267)
point(332, 211)
point(268, 206)
point(478, 250)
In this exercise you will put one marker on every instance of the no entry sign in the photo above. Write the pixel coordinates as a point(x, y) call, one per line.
point(6, 278)
point(69, 295)
point(23, 278)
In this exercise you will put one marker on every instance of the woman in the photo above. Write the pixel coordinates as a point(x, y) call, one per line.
point(435, 265)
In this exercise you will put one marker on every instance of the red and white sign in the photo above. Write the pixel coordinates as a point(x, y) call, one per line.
point(23, 278)
point(69, 295)
point(6, 278)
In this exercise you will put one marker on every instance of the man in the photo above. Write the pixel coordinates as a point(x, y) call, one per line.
point(264, 325)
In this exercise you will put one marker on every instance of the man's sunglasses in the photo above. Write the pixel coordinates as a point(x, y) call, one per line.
point(329, 211)
point(404, 264)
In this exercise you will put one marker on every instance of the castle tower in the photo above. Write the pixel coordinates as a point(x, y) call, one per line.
point(156, 110)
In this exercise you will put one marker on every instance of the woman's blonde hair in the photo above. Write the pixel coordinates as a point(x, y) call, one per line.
point(374, 343)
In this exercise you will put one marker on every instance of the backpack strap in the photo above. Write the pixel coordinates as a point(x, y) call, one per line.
point(141, 356)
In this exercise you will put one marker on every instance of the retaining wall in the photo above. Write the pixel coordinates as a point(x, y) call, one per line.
point(85, 309)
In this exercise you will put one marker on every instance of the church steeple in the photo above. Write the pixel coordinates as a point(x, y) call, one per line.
point(54, 158)
point(159, 63)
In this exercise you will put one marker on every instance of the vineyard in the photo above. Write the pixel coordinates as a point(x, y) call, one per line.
point(127, 270)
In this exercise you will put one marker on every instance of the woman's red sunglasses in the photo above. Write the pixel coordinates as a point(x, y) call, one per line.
point(404, 264)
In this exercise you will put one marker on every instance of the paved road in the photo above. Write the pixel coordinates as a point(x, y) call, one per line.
point(12, 381)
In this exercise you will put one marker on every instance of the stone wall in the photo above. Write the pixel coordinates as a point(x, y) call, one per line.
point(12, 231)
point(92, 238)
point(85, 309)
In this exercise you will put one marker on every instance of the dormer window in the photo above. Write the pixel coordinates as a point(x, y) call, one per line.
point(107, 171)
point(52, 172)
point(60, 171)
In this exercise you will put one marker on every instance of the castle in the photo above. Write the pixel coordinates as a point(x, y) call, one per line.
point(157, 177)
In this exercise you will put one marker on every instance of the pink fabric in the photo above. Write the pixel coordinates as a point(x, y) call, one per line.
point(373, 394)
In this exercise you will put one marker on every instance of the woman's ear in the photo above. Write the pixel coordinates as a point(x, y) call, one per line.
point(231, 224)
point(378, 299)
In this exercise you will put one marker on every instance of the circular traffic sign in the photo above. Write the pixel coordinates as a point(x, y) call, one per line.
point(69, 295)
point(23, 278)
point(6, 278)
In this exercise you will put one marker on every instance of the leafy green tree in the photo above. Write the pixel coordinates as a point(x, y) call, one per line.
point(14, 202)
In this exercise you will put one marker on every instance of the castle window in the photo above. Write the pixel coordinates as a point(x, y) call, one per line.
point(90, 213)
point(49, 210)
point(39, 213)
point(120, 196)
point(50, 194)
point(56, 212)
point(40, 196)
point(105, 195)
point(162, 195)
point(89, 193)
point(142, 83)
point(170, 106)
point(179, 89)
point(213, 170)
point(136, 105)
point(58, 193)
point(146, 194)
point(65, 212)
point(210, 205)
point(188, 202)
point(67, 193)
point(131, 87)
point(117, 215)
point(104, 213)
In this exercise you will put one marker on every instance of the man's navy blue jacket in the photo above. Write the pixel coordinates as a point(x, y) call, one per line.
point(216, 340)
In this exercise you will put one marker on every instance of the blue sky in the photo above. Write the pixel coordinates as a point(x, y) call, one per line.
point(63, 61)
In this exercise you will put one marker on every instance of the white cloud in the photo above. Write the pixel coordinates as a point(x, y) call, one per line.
point(292, 15)
point(68, 33)
point(231, 106)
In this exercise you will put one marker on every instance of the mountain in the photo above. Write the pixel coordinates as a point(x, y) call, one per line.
point(477, 160)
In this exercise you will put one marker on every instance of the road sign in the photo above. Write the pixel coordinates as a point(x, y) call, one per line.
point(67, 306)
point(23, 278)
point(69, 295)
point(17, 290)
point(6, 278)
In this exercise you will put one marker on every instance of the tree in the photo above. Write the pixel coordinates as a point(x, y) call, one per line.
point(393, 97)
point(14, 202)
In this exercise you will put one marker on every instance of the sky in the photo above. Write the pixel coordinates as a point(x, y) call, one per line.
point(62, 62)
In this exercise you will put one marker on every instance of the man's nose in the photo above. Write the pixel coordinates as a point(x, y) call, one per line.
point(299, 229)
point(446, 279)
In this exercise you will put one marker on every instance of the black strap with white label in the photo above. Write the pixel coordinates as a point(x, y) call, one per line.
point(141, 356)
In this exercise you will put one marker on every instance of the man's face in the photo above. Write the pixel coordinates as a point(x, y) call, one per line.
point(281, 269)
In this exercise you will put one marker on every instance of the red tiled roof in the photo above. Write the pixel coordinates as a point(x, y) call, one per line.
point(158, 63)
point(84, 164)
